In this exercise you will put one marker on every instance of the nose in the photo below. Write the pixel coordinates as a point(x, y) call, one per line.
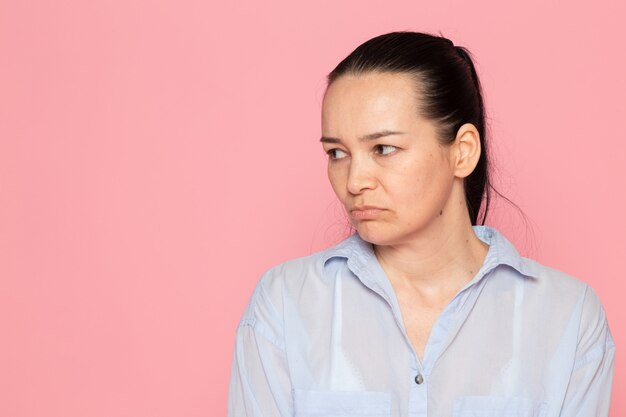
point(360, 176)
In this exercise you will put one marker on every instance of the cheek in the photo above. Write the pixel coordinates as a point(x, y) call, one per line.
point(417, 189)
point(424, 185)
point(435, 188)
point(337, 180)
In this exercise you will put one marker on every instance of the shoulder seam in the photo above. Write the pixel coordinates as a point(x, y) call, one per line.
point(259, 328)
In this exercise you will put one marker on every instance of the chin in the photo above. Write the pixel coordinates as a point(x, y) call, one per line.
point(380, 236)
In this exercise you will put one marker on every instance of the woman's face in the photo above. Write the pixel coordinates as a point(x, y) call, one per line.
point(385, 163)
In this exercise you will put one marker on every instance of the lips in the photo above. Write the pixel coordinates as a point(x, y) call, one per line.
point(365, 212)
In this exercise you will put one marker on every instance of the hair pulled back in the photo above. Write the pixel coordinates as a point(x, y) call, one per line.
point(448, 88)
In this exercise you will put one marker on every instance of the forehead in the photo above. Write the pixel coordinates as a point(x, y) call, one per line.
point(370, 101)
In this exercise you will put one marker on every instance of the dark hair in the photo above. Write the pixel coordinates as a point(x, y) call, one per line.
point(448, 87)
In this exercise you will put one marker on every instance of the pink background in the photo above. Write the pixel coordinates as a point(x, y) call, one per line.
point(157, 156)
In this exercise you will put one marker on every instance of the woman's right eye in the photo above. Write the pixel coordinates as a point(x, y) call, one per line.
point(336, 153)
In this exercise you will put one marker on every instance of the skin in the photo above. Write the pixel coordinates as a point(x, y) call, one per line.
point(421, 232)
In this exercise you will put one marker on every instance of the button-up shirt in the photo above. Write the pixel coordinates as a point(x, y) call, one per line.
point(323, 336)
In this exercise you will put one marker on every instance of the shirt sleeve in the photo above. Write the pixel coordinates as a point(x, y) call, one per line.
point(260, 384)
point(589, 390)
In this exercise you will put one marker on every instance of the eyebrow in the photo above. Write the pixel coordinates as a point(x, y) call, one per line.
point(370, 136)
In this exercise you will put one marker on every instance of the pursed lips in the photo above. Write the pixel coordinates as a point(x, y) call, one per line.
point(365, 212)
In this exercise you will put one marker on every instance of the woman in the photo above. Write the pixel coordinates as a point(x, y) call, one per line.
point(422, 312)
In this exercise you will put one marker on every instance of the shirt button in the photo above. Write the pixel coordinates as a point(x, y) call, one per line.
point(419, 379)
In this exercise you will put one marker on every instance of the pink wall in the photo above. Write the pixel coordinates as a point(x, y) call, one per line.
point(157, 157)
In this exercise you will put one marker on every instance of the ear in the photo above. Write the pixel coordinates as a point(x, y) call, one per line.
point(467, 150)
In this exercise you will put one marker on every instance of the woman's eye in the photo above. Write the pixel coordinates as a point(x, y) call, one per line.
point(336, 153)
point(385, 149)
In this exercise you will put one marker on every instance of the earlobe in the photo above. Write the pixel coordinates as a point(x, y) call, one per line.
point(468, 146)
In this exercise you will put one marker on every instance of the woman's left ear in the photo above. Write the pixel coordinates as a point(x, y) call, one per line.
point(467, 150)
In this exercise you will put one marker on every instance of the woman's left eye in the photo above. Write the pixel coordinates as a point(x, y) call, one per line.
point(385, 149)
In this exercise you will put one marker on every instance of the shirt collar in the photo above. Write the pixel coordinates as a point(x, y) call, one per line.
point(361, 257)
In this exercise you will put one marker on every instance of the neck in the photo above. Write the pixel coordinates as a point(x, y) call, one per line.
point(445, 256)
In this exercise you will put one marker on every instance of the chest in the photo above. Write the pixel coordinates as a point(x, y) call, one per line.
point(351, 339)
point(419, 320)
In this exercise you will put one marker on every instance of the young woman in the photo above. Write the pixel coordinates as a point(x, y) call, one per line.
point(421, 312)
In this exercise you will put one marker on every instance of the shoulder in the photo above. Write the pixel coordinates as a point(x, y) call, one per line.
point(550, 279)
point(573, 295)
point(284, 279)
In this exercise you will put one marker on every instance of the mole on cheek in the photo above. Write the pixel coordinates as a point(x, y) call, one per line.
point(441, 212)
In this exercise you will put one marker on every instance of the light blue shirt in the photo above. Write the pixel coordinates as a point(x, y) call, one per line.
point(323, 336)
